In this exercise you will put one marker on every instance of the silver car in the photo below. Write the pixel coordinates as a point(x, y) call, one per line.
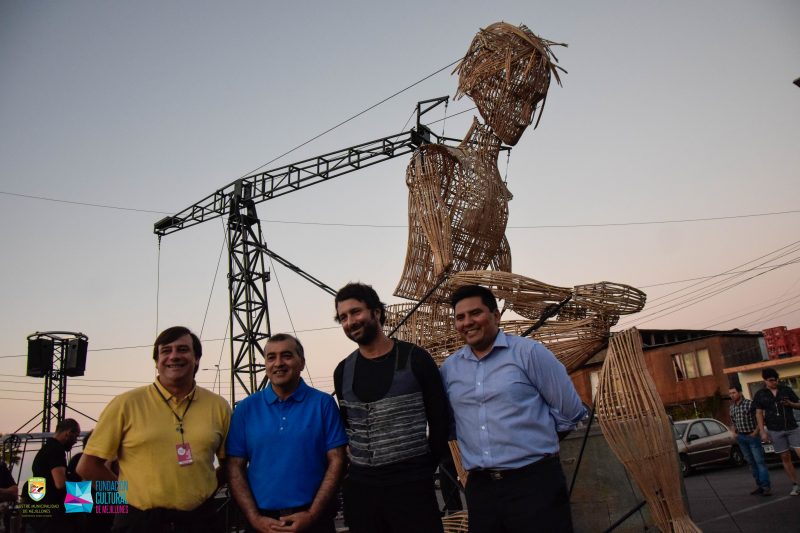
point(705, 441)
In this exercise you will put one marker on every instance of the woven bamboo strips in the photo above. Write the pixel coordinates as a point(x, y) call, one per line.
point(529, 297)
point(506, 72)
point(578, 331)
point(456, 522)
point(573, 342)
point(637, 429)
point(526, 296)
point(455, 451)
point(457, 209)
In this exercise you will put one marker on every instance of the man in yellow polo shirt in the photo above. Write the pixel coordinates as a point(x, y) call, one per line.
point(165, 437)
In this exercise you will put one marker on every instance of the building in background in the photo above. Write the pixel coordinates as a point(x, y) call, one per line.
point(782, 342)
point(688, 368)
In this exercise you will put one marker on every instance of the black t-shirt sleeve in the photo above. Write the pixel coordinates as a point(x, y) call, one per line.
point(436, 406)
point(55, 457)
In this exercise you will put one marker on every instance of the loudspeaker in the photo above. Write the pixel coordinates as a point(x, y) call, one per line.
point(40, 357)
point(75, 360)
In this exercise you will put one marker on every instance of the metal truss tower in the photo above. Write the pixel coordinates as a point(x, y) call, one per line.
point(248, 273)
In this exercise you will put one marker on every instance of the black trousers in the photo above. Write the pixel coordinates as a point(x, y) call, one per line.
point(402, 508)
point(532, 498)
point(203, 519)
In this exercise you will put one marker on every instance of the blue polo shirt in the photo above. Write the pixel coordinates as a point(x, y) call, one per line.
point(286, 443)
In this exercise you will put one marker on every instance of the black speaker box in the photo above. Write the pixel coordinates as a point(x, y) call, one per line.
point(75, 360)
point(40, 357)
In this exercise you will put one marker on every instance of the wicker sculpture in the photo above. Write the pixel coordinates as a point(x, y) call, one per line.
point(456, 522)
point(574, 334)
point(637, 429)
point(506, 72)
point(457, 212)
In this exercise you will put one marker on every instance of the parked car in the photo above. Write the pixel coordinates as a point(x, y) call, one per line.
point(705, 441)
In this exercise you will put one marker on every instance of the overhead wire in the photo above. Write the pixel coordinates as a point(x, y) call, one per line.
point(214, 279)
point(685, 300)
point(289, 315)
point(342, 123)
point(734, 269)
point(758, 310)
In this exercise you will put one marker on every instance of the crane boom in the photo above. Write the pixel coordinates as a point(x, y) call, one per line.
point(283, 180)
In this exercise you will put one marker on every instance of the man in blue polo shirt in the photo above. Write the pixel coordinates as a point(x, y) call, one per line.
point(293, 439)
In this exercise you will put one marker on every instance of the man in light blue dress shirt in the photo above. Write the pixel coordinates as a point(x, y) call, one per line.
point(511, 401)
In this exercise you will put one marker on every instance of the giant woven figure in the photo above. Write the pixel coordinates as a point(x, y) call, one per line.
point(637, 429)
point(457, 212)
point(506, 72)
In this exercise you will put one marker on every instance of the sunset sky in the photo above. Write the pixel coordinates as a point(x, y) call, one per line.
point(676, 125)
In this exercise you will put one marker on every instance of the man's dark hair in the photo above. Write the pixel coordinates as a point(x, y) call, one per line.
point(736, 386)
point(174, 333)
point(278, 337)
point(362, 293)
point(468, 291)
point(68, 424)
point(768, 373)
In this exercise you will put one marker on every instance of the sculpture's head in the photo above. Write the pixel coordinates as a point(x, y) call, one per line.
point(506, 72)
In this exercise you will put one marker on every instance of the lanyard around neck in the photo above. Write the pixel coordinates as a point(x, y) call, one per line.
point(177, 417)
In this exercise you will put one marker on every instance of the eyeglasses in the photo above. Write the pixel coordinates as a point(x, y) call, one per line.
point(771, 379)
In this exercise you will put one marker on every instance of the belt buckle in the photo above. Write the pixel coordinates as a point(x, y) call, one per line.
point(496, 475)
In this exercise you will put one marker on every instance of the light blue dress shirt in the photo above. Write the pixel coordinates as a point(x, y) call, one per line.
point(509, 404)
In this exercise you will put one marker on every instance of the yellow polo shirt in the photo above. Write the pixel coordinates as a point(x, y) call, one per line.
point(140, 430)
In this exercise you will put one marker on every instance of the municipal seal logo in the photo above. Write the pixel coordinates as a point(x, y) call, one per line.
point(79, 497)
point(37, 488)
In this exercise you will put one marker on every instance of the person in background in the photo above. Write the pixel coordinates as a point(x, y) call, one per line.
point(776, 424)
point(50, 463)
point(745, 427)
point(512, 401)
point(9, 493)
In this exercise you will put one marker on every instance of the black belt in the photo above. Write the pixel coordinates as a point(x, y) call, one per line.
point(510, 473)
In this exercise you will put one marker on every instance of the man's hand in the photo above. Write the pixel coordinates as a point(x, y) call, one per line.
point(764, 435)
point(265, 524)
point(295, 523)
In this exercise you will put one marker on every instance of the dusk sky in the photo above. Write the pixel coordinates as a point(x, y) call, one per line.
point(671, 153)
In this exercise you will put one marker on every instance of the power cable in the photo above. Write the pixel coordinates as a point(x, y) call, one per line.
point(544, 226)
point(103, 206)
point(734, 269)
point(704, 277)
point(756, 311)
point(158, 280)
point(641, 318)
point(405, 226)
point(289, 315)
point(214, 279)
point(342, 123)
point(689, 303)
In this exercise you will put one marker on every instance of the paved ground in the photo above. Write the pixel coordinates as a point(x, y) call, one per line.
point(720, 502)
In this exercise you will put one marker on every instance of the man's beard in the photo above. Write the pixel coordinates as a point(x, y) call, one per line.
point(369, 331)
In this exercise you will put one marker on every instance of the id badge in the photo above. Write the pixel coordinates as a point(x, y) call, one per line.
point(184, 452)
